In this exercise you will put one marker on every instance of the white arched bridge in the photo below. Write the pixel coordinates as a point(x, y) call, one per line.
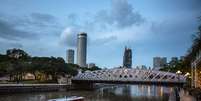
point(128, 75)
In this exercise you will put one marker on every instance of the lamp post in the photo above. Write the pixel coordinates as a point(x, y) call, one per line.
point(187, 75)
point(178, 73)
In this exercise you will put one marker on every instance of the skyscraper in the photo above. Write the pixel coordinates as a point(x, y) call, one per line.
point(174, 59)
point(82, 49)
point(159, 62)
point(70, 56)
point(127, 58)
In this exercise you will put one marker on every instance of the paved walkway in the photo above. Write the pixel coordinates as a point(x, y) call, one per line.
point(184, 96)
point(50, 84)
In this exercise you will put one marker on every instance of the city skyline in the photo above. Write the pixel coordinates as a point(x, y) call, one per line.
point(44, 29)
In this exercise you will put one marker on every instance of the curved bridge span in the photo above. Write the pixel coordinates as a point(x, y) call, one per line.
point(129, 76)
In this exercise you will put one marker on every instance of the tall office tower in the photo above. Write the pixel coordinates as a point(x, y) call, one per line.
point(127, 59)
point(70, 56)
point(174, 59)
point(159, 62)
point(82, 49)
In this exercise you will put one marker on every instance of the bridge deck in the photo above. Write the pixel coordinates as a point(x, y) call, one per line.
point(128, 82)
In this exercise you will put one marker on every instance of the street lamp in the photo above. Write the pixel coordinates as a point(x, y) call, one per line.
point(187, 74)
point(178, 73)
point(188, 78)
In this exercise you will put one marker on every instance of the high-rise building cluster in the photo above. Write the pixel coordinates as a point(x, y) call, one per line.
point(159, 62)
point(127, 58)
point(81, 51)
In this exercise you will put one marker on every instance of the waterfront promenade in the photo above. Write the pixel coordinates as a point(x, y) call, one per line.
point(22, 88)
point(185, 96)
point(21, 84)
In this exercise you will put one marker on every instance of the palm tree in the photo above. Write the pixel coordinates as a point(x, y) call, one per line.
point(196, 46)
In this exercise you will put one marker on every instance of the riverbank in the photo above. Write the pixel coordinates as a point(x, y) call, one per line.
point(195, 92)
point(185, 96)
point(24, 88)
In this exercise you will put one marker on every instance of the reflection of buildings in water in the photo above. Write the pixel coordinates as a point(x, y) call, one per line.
point(127, 90)
point(152, 90)
point(141, 89)
point(161, 91)
point(158, 91)
point(134, 90)
point(149, 91)
point(123, 90)
point(171, 89)
point(130, 92)
point(144, 90)
point(118, 93)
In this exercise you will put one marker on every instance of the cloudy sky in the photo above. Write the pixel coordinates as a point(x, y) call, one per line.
point(150, 27)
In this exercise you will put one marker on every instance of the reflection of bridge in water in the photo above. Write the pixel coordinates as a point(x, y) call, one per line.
point(138, 93)
point(129, 76)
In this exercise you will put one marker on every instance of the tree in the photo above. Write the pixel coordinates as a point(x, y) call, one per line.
point(174, 66)
point(196, 46)
point(90, 69)
point(38, 66)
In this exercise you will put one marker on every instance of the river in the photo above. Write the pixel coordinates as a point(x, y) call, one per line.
point(110, 93)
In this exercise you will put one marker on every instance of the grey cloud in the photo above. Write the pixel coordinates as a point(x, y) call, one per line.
point(181, 5)
point(68, 37)
point(174, 33)
point(121, 14)
point(27, 26)
point(43, 20)
point(102, 41)
point(9, 31)
point(37, 20)
point(14, 45)
point(72, 19)
point(11, 44)
point(178, 27)
point(43, 17)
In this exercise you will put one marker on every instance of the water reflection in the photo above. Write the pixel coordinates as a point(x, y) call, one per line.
point(112, 93)
point(136, 92)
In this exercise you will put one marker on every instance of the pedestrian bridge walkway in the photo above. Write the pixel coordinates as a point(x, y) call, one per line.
point(126, 75)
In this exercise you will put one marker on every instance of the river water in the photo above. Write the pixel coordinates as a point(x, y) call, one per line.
point(108, 93)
